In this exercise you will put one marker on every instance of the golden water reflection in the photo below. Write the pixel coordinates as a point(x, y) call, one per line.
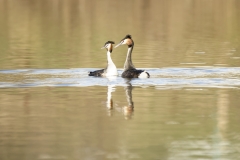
point(72, 123)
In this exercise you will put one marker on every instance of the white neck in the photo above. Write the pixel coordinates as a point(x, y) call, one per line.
point(109, 59)
point(111, 68)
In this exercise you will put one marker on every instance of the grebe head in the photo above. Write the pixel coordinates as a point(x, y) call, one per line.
point(126, 40)
point(108, 45)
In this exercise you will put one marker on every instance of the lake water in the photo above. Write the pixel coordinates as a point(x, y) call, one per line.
point(51, 109)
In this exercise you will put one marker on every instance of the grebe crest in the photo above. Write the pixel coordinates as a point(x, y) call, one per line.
point(126, 40)
point(109, 46)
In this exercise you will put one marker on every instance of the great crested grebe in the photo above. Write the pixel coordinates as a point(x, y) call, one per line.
point(111, 69)
point(129, 70)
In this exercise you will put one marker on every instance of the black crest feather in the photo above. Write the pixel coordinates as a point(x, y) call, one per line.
point(128, 36)
point(112, 42)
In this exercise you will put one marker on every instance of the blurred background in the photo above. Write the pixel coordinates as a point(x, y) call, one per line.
point(69, 34)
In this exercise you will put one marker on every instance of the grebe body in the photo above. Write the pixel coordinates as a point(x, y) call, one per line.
point(135, 73)
point(111, 69)
point(129, 70)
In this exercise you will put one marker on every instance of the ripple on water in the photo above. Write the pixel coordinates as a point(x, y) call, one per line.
point(161, 78)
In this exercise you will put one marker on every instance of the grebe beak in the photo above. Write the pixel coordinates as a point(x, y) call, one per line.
point(119, 44)
point(103, 47)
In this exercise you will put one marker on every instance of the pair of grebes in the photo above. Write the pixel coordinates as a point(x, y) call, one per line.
point(129, 70)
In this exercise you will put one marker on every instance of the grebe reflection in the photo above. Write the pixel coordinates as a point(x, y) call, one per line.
point(111, 88)
point(109, 103)
point(128, 110)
